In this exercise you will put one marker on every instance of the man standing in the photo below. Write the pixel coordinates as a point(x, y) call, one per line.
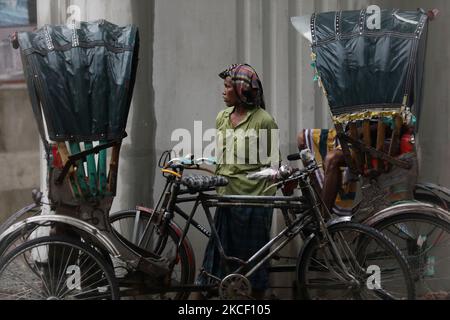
point(242, 231)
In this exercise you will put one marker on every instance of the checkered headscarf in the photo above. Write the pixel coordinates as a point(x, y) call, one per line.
point(246, 83)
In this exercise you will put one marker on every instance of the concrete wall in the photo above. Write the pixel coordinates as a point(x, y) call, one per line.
point(19, 150)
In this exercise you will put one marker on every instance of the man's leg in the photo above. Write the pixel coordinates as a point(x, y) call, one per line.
point(301, 140)
point(332, 177)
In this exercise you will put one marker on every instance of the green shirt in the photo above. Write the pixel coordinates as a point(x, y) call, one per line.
point(254, 158)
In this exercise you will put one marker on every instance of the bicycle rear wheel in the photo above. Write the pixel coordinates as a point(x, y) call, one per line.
point(56, 268)
point(135, 227)
point(425, 241)
point(372, 266)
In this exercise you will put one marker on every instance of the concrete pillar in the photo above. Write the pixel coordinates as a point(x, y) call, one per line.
point(194, 41)
point(19, 150)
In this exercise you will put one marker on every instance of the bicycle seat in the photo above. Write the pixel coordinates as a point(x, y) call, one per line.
point(202, 183)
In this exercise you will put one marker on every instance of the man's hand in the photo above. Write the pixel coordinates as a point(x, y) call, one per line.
point(432, 14)
point(14, 40)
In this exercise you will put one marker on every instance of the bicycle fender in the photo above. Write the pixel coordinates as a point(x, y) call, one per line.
point(306, 243)
point(434, 187)
point(186, 244)
point(338, 220)
point(15, 216)
point(411, 207)
point(75, 223)
point(439, 192)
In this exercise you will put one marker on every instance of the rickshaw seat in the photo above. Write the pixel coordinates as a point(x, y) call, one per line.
point(88, 178)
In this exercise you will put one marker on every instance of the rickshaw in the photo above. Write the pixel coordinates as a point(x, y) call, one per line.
point(80, 81)
point(372, 78)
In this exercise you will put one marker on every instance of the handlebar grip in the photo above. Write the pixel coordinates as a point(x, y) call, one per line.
point(294, 157)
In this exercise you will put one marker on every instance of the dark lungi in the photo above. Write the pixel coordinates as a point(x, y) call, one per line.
point(242, 231)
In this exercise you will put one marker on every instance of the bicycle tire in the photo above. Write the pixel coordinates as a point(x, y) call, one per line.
point(27, 212)
point(414, 234)
point(19, 236)
point(185, 259)
point(15, 239)
point(315, 280)
point(40, 283)
point(431, 197)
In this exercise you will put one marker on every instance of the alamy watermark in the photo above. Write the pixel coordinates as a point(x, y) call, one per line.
point(374, 280)
point(230, 146)
point(73, 281)
point(74, 17)
point(373, 21)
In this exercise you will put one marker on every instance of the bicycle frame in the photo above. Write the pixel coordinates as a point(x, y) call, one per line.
point(308, 210)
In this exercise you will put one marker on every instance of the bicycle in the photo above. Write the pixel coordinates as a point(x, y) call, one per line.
point(145, 224)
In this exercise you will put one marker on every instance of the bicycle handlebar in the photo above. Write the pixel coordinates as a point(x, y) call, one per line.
point(272, 174)
point(286, 172)
point(296, 174)
point(294, 157)
point(305, 155)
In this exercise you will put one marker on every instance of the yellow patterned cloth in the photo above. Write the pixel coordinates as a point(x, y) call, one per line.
point(320, 142)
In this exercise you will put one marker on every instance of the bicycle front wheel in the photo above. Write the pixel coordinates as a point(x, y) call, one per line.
point(359, 263)
point(56, 268)
point(425, 241)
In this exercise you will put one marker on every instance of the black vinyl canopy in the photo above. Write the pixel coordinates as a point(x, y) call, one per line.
point(364, 69)
point(83, 78)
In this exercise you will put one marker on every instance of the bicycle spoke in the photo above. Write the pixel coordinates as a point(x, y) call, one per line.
point(62, 270)
point(39, 274)
point(20, 279)
point(359, 248)
point(95, 279)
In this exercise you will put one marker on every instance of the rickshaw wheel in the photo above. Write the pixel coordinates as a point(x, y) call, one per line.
point(425, 241)
point(378, 268)
point(56, 268)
